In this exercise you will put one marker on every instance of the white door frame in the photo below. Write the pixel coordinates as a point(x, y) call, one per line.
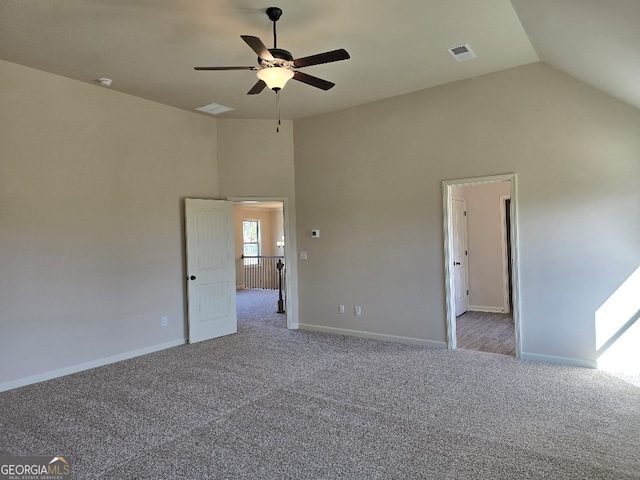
point(291, 271)
point(505, 259)
point(448, 253)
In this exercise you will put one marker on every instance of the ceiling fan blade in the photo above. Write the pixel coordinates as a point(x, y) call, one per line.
point(326, 57)
point(225, 68)
point(257, 88)
point(256, 44)
point(313, 81)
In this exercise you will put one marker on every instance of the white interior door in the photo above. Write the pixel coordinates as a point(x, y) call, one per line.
point(460, 274)
point(211, 273)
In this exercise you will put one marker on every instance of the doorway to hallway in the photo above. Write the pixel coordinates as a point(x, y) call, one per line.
point(262, 273)
point(491, 322)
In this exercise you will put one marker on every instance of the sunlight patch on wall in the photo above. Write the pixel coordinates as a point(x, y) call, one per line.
point(618, 329)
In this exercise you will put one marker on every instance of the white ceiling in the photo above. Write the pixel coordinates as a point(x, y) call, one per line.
point(149, 47)
point(596, 41)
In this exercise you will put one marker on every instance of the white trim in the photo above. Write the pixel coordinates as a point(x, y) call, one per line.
point(291, 286)
point(450, 297)
point(480, 308)
point(80, 367)
point(505, 261)
point(465, 182)
point(571, 362)
point(448, 253)
point(374, 336)
point(515, 265)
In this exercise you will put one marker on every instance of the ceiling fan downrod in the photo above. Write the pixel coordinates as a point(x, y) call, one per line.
point(274, 14)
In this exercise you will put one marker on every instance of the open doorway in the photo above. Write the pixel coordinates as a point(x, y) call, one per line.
point(263, 293)
point(481, 263)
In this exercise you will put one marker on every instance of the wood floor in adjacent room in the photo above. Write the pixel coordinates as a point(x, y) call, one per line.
point(486, 332)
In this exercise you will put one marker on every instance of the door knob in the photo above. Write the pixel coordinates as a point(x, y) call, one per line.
point(192, 277)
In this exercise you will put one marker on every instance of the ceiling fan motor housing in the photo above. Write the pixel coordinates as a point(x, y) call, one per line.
point(282, 58)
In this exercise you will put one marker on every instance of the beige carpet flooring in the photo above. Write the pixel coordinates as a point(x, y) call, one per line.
point(273, 404)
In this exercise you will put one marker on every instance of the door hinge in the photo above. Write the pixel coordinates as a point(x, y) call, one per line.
point(465, 252)
point(465, 213)
point(467, 292)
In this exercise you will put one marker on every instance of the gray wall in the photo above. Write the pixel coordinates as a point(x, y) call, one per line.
point(91, 192)
point(92, 184)
point(375, 192)
point(256, 162)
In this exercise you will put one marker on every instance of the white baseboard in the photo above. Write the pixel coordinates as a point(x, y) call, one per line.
point(374, 336)
point(479, 308)
point(61, 372)
point(572, 362)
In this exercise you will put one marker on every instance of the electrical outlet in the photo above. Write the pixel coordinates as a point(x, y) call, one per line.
point(357, 311)
point(340, 308)
point(164, 321)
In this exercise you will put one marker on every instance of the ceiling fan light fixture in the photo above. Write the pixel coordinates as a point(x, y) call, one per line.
point(275, 77)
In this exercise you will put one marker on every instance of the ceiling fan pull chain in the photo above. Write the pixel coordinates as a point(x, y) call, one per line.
point(278, 109)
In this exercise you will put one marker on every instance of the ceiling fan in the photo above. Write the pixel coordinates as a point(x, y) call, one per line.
point(276, 66)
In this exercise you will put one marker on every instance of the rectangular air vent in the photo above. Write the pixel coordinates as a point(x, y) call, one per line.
point(214, 109)
point(462, 52)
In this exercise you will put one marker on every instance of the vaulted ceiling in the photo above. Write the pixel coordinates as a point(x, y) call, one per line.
point(149, 47)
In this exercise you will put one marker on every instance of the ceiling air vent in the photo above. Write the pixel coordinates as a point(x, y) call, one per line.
point(213, 109)
point(462, 52)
